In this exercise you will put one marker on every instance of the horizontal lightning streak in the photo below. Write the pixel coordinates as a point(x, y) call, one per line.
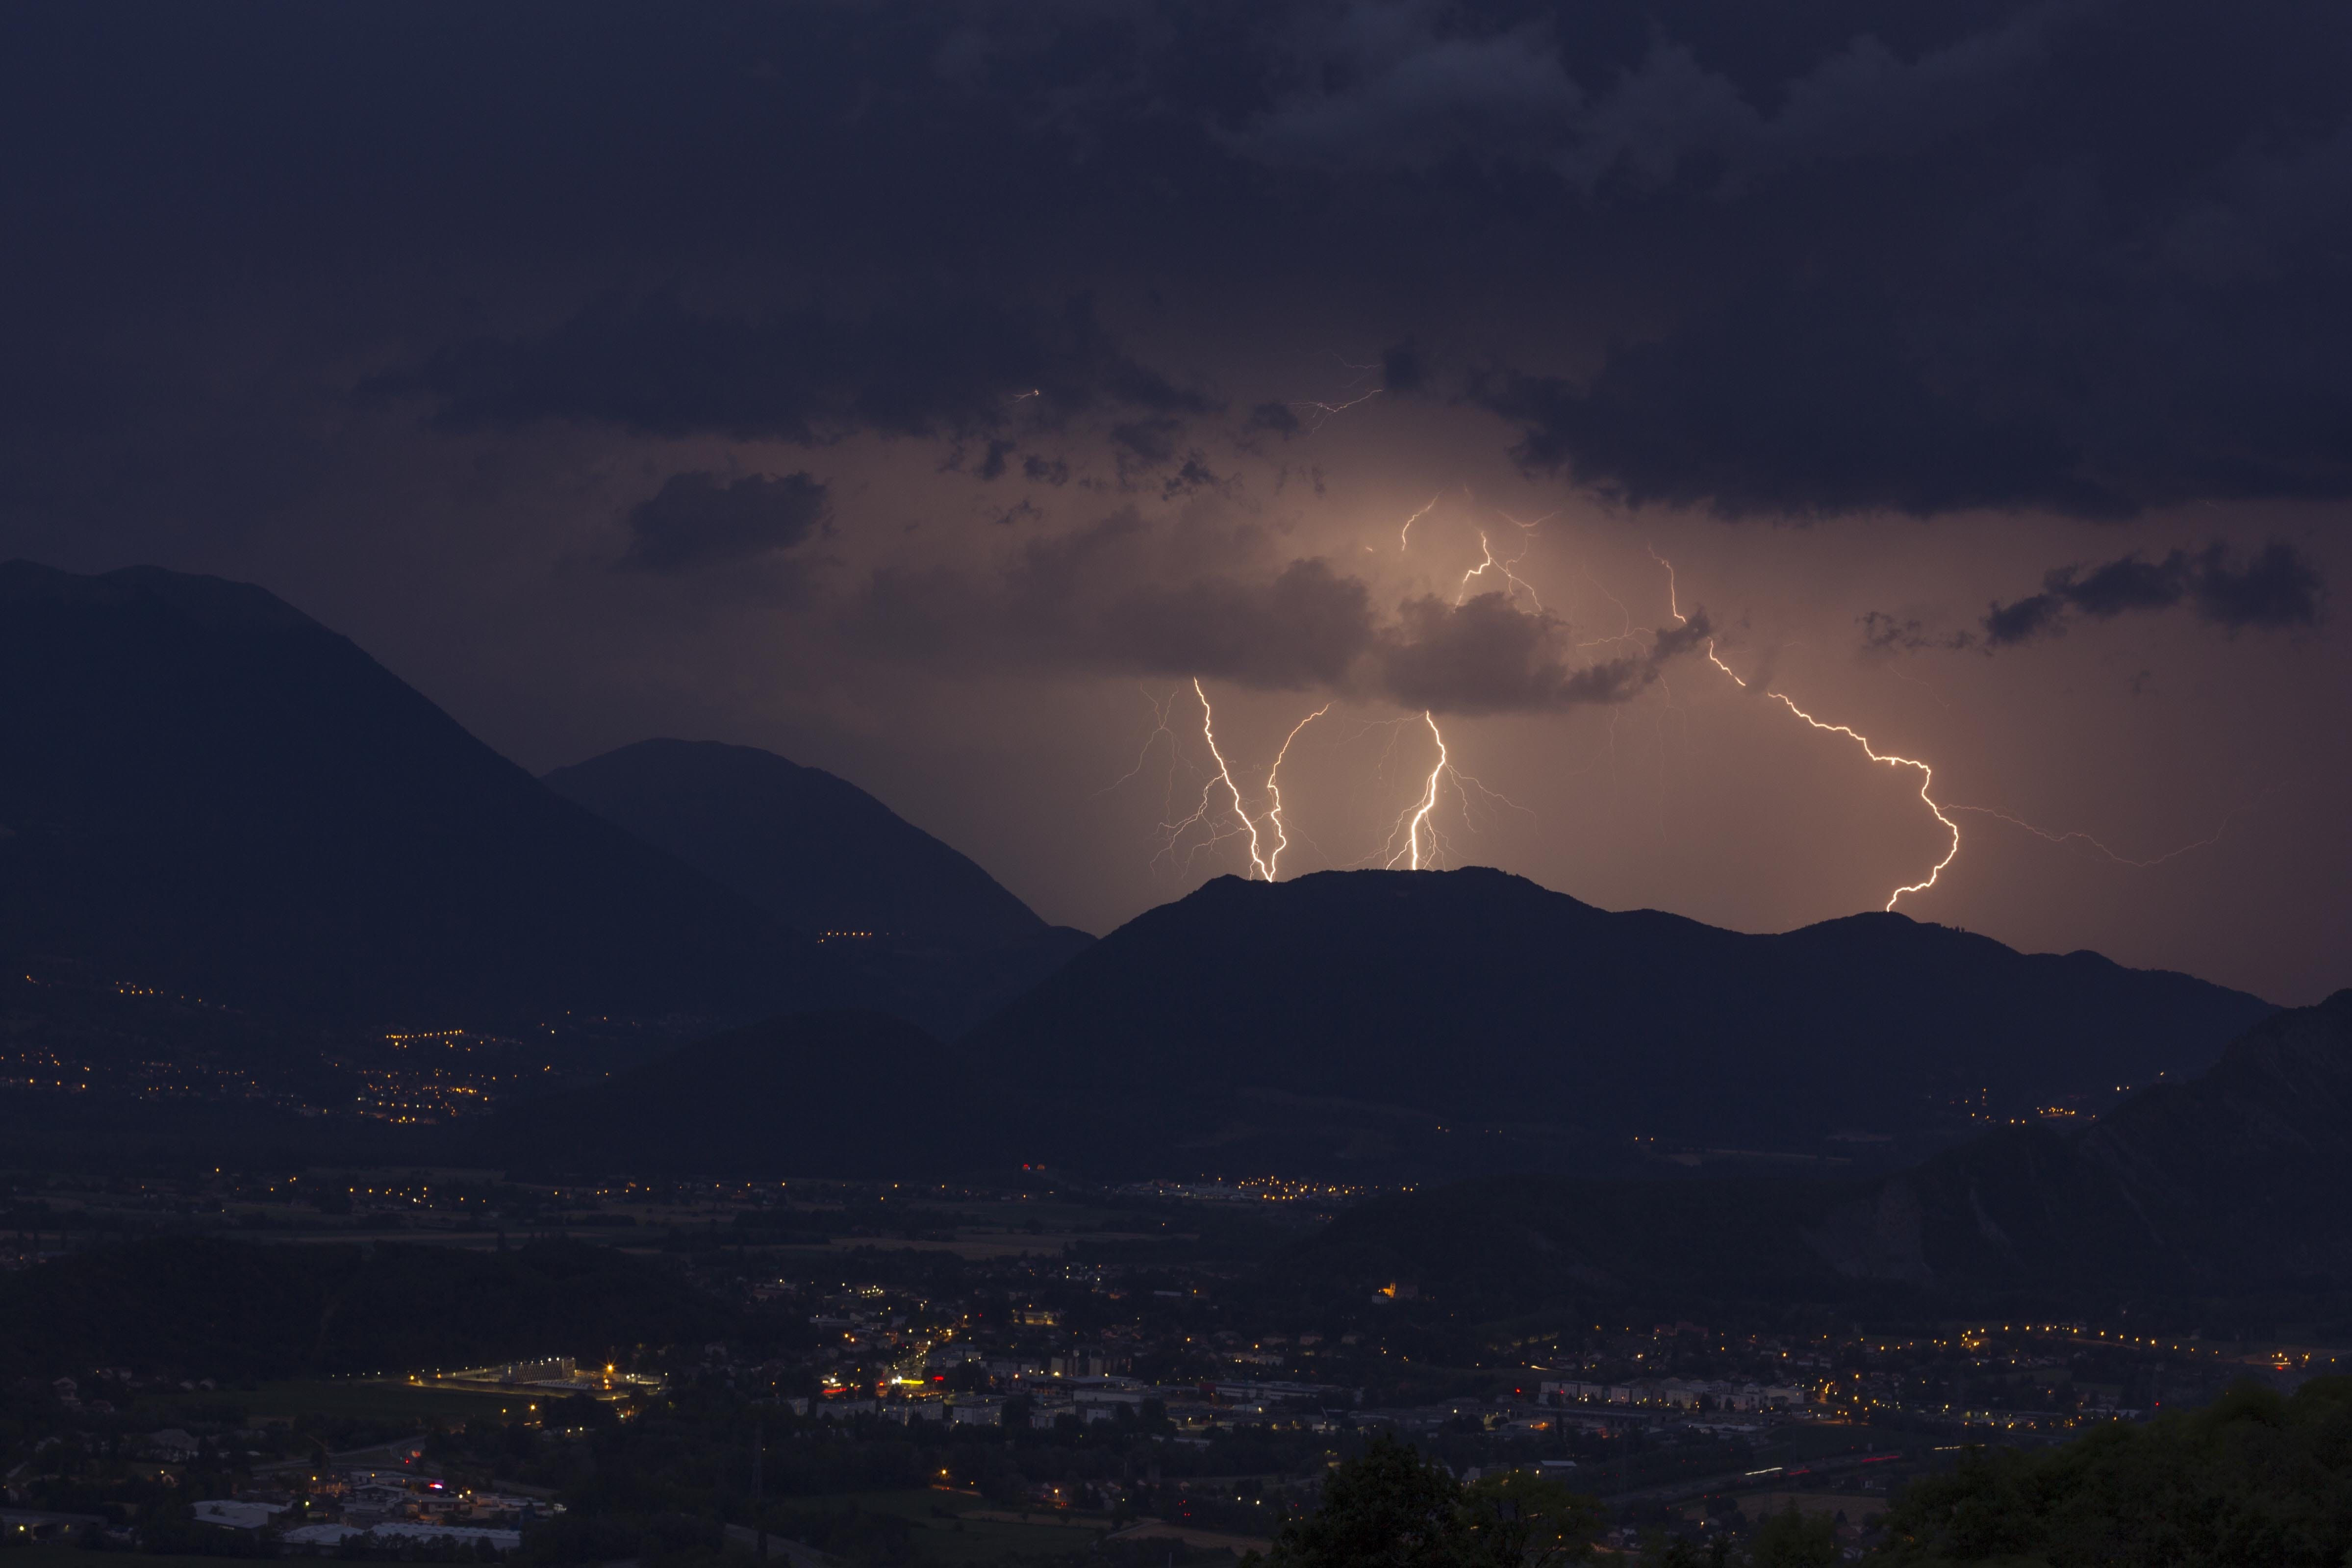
point(2079, 837)
point(1326, 410)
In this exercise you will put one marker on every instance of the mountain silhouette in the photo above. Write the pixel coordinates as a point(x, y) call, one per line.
point(1467, 1020)
point(1420, 1025)
point(209, 791)
point(915, 925)
point(2230, 1183)
point(816, 852)
point(2237, 1175)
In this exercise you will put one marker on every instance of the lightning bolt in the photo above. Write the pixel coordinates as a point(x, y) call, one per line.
point(1926, 773)
point(1513, 584)
point(1160, 710)
point(1417, 823)
point(1405, 534)
point(1264, 863)
point(1323, 411)
point(2080, 838)
point(1414, 842)
point(1225, 778)
point(1273, 792)
point(1416, 816)
point(1326, 410)
point(1927, 778)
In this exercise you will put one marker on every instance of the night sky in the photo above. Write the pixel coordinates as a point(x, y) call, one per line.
point(932, 392)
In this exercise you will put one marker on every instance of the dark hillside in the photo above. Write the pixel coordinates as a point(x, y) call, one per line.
point(813, 850)
point(832, 1094)
point(2234, 1180)
point(2238, 1176)
point(199, 1307)
point(929, 935)
point(1472, 1020)
point(209, 791)
point(1496, 1247)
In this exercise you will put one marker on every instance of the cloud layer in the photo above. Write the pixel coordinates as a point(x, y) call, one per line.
point(2278, 588)
point(2073, 255)
point(1217, 602)
point(695, 519)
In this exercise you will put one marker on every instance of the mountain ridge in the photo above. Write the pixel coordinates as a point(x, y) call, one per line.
point(1154, 1052)
point(1538, 1021)
point(2226, 1182)
point(909, 917)
point(215, 793)
point(728, 810)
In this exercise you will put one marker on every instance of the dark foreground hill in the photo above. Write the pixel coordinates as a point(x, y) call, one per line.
point(209, 791)
point(831, 1093)
point(917, 920)
point(1417, 1026)
point(196, 1306)
point(2228, 1184)
point(1428, 1022)
point(2244, 1173)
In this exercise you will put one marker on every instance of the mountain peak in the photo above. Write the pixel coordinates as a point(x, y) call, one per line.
point(1556, 1031)
point(215, 793)
point(208, 600)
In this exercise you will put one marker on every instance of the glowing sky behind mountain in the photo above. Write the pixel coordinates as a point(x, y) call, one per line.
point(929, 393)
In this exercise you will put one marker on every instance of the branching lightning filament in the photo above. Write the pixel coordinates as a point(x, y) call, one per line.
point(1273, 794)
point(1416, 820)
point(1415, 844)
point(1266, 859)
point(1513, 584)
point(2078, 837)
point(1405, 534)
point(1926, 773)
point(1926, 778)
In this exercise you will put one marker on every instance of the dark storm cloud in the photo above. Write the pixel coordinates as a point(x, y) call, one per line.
point(1123, 596)
point(1795, 403)
point(1404, 369)
point(695, 520)
point(1273, 419)
point(1307, 626)
point(2278, 589)
point(2073, 255)
point(2040, 615)
point(657, 367)
point(1486, 656)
